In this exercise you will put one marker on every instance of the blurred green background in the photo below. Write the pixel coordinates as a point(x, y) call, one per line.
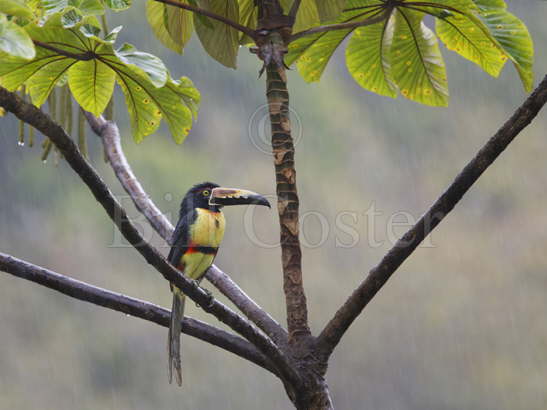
point(461, 325)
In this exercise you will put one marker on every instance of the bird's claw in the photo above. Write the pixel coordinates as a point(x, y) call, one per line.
point(210, 297)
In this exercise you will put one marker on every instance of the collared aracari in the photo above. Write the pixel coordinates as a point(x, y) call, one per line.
point(194, 245)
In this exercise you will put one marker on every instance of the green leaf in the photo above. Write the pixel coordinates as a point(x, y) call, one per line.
point(147, 104)
point(91, 7)
point(221, 41)
point(118, 5)
point(16, 8)
point(92, 84)
point(417, 65)
point(147, 63)
point(189, 94)
point(111, 37)
point(179, 24)
point(367, 58)
point(314, 51)
point(313, 62)
point(156, 14)
point(49, 75)
point(44, 70)
point(490, 4)
point(14, 40)
point(248, 16)
point(54, 6)
point(71, 17)
point(329, 9)
point(307, 16)
point(82, 7)
point(48, 68)
point(516, 41)
point(469, 37)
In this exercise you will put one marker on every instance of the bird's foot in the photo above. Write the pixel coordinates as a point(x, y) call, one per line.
point(210, 297)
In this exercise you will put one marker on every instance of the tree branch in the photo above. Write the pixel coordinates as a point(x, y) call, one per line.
point(379, 275)
point(131, 306)
point(341, 26)
point(244, 29)
point(42, 122)
point(110, 136)
point(248, 306)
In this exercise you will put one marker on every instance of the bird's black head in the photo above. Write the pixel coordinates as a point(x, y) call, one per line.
point(198, 197)
point(209, 195)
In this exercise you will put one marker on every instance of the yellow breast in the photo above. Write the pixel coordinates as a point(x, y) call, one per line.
point(208, 228)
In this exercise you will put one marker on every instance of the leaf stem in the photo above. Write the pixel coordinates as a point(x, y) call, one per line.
point(88, 55)
point(341, 26)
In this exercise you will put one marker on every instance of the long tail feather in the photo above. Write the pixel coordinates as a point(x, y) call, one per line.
point(173, 344)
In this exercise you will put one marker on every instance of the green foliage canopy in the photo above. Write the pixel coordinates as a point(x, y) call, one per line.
point(393, 49)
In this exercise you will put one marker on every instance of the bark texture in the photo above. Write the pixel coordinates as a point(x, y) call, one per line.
point(287, 202)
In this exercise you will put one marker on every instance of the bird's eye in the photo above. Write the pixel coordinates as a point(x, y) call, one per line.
point(206, 192)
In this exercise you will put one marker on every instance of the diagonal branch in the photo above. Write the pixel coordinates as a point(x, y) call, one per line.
point(244, 29)
point(131, 306)
point(110, 136)
point(343, 26)
point(42, 122)
point(379, 275)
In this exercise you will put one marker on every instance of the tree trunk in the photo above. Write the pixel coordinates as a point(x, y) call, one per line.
point(287, 201)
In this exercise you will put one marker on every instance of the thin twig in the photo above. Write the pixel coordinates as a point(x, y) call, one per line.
point(109, 133)
point(342, 26)
point(246, 30)
point(35, 117)
point(379, 275)
point(131, 306)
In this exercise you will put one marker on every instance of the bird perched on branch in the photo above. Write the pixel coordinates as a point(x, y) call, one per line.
point(194, 245)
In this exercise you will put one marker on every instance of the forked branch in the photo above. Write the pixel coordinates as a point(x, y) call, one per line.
point(131, 306)
point(378, 276)
point(109, 133)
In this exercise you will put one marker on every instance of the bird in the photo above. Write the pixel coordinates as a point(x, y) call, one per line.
point(194, 245)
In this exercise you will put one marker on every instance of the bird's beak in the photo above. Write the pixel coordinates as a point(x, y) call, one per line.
point(235, 196)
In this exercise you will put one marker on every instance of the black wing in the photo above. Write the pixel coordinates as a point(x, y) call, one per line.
point(180, 238)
